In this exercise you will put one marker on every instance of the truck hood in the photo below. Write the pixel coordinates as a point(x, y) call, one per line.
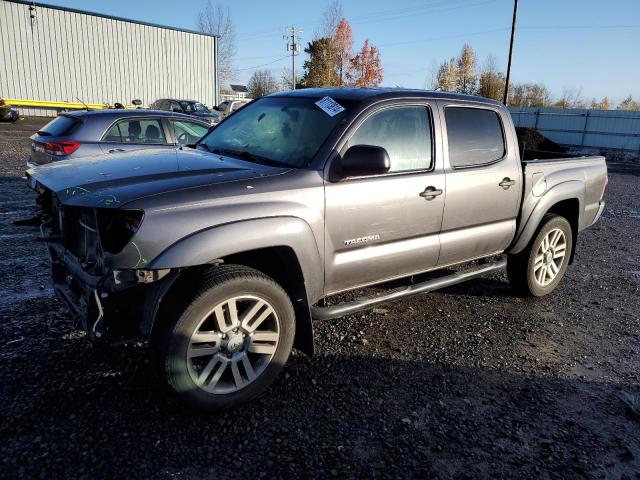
point(114, 180)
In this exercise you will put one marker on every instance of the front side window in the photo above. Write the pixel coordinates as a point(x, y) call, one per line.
point(280, 130)
point(201, 108)
point(474, 135)
point(404, 132)
point(188, 132)
point(136, 131)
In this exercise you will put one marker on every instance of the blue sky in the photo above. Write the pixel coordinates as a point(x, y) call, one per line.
point(589, 45)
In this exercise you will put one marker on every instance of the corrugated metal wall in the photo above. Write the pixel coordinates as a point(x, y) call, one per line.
point(608, 129)
point(63, 54)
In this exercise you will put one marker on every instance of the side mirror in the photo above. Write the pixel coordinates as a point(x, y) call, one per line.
point(176, 110)
point(136, 101)
point(364, 160)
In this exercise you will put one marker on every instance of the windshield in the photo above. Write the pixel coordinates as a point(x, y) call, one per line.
point(190, 107)
point(282, 130)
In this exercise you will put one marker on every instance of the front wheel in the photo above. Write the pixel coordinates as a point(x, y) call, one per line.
point(538, 269)
point(230, 342)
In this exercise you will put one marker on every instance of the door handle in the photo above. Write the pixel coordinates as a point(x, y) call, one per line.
point(430, 193)
point(506, 183)
point(116, 150)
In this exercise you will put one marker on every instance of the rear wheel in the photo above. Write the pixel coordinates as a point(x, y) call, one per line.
point(230, 342)
point(538, 269)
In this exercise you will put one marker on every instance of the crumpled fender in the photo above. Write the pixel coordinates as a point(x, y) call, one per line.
point(532, 213)
point(219, 241)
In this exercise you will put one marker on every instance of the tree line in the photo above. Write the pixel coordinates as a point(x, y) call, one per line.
point(463, 74)
point(332, 62)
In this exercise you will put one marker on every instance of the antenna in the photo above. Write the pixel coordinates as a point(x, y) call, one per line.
point(85, 105)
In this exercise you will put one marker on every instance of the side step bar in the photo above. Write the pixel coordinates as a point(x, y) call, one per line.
point(335, 311)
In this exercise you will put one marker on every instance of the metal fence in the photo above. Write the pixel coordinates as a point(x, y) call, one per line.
point(583, 128)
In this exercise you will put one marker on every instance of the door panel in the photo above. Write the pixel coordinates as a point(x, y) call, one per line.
point(480, 213)
point(378, 228)
point(381, 228)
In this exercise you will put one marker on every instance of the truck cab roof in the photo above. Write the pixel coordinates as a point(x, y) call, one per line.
point(386, 93)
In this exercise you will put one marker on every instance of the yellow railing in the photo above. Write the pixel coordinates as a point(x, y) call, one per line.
point(14, 102)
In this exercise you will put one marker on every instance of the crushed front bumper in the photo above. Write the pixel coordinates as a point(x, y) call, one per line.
point(118, 306)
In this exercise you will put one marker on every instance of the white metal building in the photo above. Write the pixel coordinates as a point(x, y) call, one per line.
point(56, 54)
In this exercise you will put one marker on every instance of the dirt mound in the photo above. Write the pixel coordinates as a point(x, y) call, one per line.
point(530, 139)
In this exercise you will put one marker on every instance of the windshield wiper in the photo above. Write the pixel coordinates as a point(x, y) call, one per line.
point(245, 155)
point(252, 157)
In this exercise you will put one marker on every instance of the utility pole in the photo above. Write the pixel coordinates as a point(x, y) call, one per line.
point(513, 32)
point(293, 36)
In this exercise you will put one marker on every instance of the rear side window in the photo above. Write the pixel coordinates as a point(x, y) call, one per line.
point(475, 136)
point(404, 132)
point(137, 130)
point(59, 126)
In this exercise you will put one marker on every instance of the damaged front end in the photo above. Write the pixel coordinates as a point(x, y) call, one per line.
point(109, 302)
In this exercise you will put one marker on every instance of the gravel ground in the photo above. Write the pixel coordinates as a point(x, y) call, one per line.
point(469, 382)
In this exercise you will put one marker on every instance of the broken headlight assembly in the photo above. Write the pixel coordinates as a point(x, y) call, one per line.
point(117, 227)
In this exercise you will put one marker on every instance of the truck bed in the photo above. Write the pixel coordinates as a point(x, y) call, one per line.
point(550, 180)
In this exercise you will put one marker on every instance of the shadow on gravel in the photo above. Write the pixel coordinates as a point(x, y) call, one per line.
point(101, 413)
point(626, 168)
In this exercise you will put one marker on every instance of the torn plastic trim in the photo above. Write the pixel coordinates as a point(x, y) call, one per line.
point(127, 277)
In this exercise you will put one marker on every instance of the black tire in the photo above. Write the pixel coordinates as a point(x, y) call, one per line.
point(522, 269)
point(174, 338)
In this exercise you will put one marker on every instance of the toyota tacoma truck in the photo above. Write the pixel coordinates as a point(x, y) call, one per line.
point(221, 254)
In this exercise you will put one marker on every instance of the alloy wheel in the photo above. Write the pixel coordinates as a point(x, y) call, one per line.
point(549, 257)
point(233, 344)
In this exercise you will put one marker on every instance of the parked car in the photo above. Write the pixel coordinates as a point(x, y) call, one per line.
point(188, 107)
point(229, 106)
point(95, 132)
point(221, 256)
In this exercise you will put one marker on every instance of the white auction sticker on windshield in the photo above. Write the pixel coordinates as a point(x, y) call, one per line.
point(330, 106)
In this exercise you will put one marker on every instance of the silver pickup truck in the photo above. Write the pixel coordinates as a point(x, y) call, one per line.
point(222, 253)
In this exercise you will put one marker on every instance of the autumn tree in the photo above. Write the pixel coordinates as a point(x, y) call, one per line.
point(491, 80)
point(319, 68)
point(529, 95)
point(431, 80)
point(286, 82)
point(215, 20)
point(629, 104)
point(466, 63)
point(262, 83)
point(331, 17)
point(570, 98)
point(343, 44)
point(365, 69)
point(448, 76)
point(601, 105)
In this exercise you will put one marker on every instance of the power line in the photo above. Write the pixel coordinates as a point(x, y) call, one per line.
point(263, 64)
point(387, 15)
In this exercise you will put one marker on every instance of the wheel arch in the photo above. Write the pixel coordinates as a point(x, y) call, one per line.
point(564, 199)
point(284, 249)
